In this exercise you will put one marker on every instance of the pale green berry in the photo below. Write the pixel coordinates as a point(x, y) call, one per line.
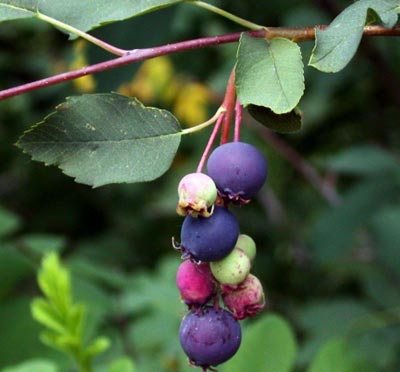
point(197, 194)
point(246, 243)
point(232, 269)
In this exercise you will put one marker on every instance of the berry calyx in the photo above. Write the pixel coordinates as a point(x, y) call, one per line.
point(233, 268)
point(209, 336)
point(209, 239)
point(238, 169)
point(195, 283)
point(245, 300)
point(197, 194)
point(246, 243)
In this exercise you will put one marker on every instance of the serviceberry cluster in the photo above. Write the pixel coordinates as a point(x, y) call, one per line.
point(216, 256)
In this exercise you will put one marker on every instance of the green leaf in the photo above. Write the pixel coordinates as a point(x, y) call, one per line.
point(269, 73)
point(336, 45)
point(363, 160)
point(54, 281)
point(386, 233)
point(43, 243)
point(334, 232)
point(98, 346)
point(283, 123)
point(97, 12)
point(337, 355)
point(268, 345)
point(105, 138)
point(9, 222)
point(44, 313)
point(122, 365)
point(34, 365)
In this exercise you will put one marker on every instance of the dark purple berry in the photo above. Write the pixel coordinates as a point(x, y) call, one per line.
point(209, 239)
point(238, 169)
point(209, 336)
point(195, 283)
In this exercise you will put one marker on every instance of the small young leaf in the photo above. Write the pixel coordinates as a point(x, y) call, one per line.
point(55, 283)
point(336, 45)
point(98, 346)
point(283, 123)
point(105, 138)
point(269, 73)
point(44, 313)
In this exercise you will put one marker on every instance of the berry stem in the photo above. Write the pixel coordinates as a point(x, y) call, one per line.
point(228, 104)
point(238, 121)
point(205, 124)
point(210, 142)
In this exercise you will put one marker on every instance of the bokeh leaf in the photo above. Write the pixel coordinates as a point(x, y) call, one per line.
point(283, 123)
point(363, 160)
point(268, 345)
point(336, 45)
point(337, 355)
point(97, 12)
point(9, 222)
point(34, 365)
point(122, 365)
point(105, 138)
point(269, 73)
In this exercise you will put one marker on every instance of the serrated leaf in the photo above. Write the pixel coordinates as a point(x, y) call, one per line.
point(336, 45)
point(276, 352)
point(269, 73)
point(97, 12)
point(105, 138)
point(283, 123)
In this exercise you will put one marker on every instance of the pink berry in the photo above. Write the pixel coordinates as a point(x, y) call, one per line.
point(245, 300)
point(195, 283)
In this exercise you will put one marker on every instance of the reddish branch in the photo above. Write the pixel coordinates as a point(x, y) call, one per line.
point(136, 55)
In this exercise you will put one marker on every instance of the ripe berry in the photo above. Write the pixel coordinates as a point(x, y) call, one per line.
point(209, 336)
point(245, 300)
point(232, 269)
point(209, 239)
point(246, 243)
point(195, 283)
point(238, 169)
point(197, 194)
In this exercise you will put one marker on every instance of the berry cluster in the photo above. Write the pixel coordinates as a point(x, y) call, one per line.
point(216, 257)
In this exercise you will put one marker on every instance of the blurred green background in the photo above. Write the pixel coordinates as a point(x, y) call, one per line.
point(328, 237)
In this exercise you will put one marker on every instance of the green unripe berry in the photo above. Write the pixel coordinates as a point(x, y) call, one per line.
point(247, 244)
point(232, 269)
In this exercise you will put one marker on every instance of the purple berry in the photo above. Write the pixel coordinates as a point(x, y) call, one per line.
point(197, 194)
point(245, 300)
point(209, 239)
point(238, 169)
point(209, 336)
point(195, 283)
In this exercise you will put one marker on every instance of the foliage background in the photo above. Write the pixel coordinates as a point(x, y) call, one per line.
point(333, 272)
